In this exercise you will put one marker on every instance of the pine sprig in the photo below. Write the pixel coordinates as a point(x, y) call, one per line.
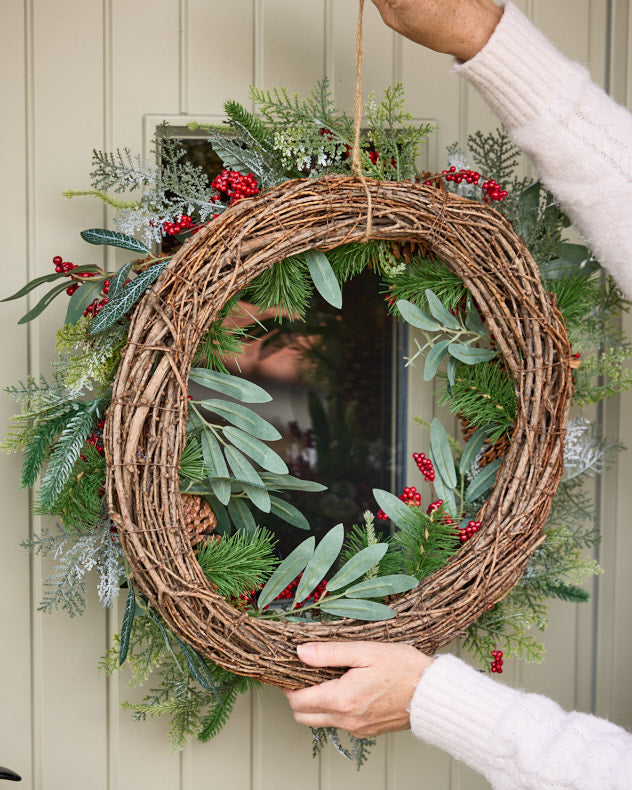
point(423, 274)
point(80, 503)
point(484, 395)
point(258, 131)
point(426, 542)
point(286, 287)
point(239, 562)
point(37, 448)
point(63, 458)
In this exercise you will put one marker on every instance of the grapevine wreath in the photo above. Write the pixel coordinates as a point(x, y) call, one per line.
point(173, 504)
point(150, 391)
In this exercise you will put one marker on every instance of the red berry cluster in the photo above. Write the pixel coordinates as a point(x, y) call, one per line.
point(95, 307)
point(471, 529)
point(491, 188)
point(96, 439)
point(493, 191)
point(497, 663)
point(62, 266)
point(409, 495)
point(233, 186)
point(65, 267)
point(425, 466)
point(434, 506)
point(290, 591)
point(184, 223)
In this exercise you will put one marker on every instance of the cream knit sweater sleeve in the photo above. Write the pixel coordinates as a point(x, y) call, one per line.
point(518, 741)
point(579, 139)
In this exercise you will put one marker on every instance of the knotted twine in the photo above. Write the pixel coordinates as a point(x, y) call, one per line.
point(356, 166)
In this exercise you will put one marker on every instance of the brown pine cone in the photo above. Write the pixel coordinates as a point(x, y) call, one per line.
point(497, 450)
point(199, 519)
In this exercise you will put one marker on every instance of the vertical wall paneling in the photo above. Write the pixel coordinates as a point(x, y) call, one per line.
point(104, 73)
point(293, 43)
point(17, 735)
point(222, 57)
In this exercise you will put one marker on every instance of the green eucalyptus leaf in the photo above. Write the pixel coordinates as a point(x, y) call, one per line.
point(43, 303)
point(242, 417)
point(575, 253)
point(472, 449)
point(229, 385)
point(528, 207)
point(242, 468)
point(287, 512)
point(113, 239)
point(451, 374)
point(127, 298)
point(321, 561)
point(474, 322)
point(445, 492)
point(221, 514)
point(87, 292)
point(287, 571)
point(290, 483)
point(241, 516)
point(440, 312)
point(128, 621)
point(483, 481)
point(357, 566)
point(255, 449)
point(470, 355)
point(415, 316)
point(442, 453)
point(433, 359)
point(258, 496)
point(382, 585)
point(324, 277)
point(357, 608)
point(395, 509)
point(216, 465)
point(47, 278)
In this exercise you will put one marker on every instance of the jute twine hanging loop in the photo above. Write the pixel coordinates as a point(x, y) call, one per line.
point(146, 423)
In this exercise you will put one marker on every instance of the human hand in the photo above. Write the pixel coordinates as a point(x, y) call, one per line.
point(458, 27)
point(371, 698)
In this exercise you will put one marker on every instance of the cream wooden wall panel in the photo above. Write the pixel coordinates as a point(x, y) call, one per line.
point(433, 92)
point(144, 67)
point(15, 605)
point(230, 754)
point(222, 51)
point(293, 42)
point(90, 72)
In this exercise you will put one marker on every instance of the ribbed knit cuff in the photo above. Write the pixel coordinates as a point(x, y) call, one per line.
point(518, 72)
point(458, 709)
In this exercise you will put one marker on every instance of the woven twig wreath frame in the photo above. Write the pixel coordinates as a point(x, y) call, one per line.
point(146, 424)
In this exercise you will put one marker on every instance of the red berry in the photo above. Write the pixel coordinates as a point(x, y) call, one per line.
point(57, 260)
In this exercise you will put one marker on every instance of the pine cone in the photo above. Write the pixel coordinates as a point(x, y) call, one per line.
point(199, 519)
point(496, 450)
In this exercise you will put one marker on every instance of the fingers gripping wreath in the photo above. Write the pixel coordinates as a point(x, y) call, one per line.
point(147, 419)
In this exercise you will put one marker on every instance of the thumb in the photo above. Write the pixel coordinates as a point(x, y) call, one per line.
point(336, 654)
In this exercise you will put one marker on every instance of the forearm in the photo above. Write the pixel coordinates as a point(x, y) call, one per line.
point(517, 739)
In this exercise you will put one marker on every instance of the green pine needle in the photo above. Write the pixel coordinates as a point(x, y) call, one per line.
point(484, 395)
point(285, 287)
point(239, 562)
point(426, 543)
